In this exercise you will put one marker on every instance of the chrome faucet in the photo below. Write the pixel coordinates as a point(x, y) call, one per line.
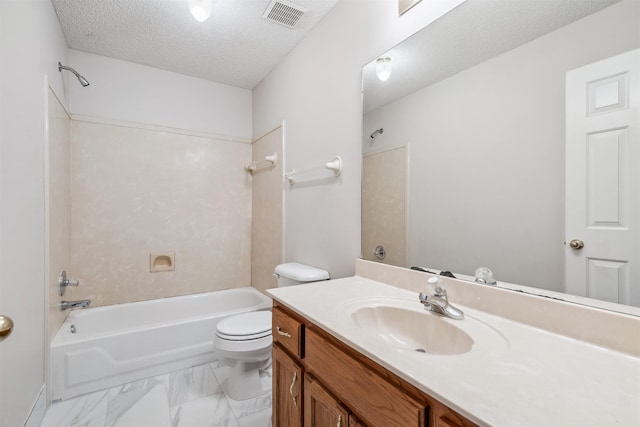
point(438, 301)
point(84, 303)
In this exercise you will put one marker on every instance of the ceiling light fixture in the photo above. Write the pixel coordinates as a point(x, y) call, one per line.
point(201, 9)
point(383, 68)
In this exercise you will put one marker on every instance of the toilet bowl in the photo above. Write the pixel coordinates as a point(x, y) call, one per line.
point(243, 341)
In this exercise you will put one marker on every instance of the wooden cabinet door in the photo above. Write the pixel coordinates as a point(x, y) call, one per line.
point(320, 408)
point(287, 390)
point(445, 417)
point(355, 422)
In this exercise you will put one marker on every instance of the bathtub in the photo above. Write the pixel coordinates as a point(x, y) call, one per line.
point(118, 344)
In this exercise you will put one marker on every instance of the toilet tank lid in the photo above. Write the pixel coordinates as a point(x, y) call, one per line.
point(301, 272)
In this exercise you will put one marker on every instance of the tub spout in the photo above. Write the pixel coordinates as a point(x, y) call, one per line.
point(65, 305)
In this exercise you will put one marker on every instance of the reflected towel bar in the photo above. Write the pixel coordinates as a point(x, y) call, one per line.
point(271, 159)
point(335, 166)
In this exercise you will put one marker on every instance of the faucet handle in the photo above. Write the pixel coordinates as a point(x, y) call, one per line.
point(484, 275)
point(436, 286)
point(63, 282)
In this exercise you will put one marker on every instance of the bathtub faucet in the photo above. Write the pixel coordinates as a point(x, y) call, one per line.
point(84, 303)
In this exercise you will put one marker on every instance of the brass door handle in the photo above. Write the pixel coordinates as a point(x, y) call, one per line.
point(6, 326)
point(576, 244)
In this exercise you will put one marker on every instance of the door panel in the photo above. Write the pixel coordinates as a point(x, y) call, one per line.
point(602, 179)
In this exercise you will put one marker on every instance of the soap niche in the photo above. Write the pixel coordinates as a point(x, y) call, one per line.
point(161, 261)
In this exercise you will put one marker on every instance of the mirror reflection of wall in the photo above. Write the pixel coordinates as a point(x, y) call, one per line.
point(487, 175)
point(384, 206)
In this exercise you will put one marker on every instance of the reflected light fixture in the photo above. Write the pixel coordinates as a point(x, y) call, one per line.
point(201, 9)
point(383, 68)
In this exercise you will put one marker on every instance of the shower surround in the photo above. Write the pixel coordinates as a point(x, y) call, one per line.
point(137, 190)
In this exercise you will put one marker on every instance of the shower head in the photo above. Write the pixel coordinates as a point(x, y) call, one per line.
point(84, 82)
point(376, 132)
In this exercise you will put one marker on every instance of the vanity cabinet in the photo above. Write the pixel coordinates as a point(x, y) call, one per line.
point(318, 381)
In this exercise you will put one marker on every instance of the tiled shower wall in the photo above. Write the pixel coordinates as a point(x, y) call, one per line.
point(58, 208)
point(384, 205)
point(268, 210)
point(138, 191)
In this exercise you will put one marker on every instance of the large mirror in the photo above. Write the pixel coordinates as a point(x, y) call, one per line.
point(504, 135)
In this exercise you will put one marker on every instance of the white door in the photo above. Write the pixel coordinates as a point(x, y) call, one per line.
point(23, 54)
point(602, 180)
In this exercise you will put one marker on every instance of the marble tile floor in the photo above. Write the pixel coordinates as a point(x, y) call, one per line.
point(188, 398)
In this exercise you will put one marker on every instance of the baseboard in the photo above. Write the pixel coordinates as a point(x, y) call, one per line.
point(38, 410)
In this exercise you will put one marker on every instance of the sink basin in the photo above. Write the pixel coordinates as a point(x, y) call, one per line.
point(413, 330)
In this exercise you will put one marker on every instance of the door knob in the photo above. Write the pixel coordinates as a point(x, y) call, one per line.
point(576, 244)
point(6, 326)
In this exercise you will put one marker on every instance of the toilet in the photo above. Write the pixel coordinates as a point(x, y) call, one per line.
point(243, 341)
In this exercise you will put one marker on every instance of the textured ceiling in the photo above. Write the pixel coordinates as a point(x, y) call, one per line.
point(235, 46)
point(470, 34)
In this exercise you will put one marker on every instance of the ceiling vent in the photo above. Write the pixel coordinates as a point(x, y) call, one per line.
point(284, 13)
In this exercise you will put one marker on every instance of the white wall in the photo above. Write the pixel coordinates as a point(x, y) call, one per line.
point(317, 90)
point(124, 91)
point(31, 45)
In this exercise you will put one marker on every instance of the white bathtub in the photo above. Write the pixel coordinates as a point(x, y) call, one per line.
point(121, 343)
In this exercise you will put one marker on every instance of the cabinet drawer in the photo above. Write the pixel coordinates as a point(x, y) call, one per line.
point(288, 331)
point(375, 400)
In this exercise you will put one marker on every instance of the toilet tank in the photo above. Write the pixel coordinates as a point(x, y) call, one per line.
point(293, 273)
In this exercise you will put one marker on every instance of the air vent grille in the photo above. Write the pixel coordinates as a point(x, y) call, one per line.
point(284, 13)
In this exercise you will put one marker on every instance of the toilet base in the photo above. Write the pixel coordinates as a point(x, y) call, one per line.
point(244, 380)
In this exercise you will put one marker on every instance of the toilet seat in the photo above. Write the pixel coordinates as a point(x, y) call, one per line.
point(245, 327)
point(243, 337)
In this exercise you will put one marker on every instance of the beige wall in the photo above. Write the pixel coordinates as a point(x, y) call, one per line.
point(58, 206)
point(267, 212)
point(137, 191)
point(384, 205)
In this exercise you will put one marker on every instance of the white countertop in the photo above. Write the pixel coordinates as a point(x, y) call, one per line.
point(515, 375)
